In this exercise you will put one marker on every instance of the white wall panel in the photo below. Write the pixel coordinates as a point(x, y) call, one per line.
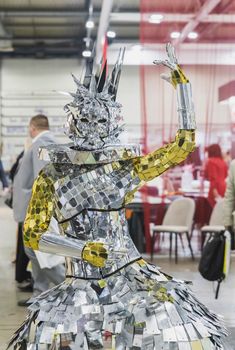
point(35, 75)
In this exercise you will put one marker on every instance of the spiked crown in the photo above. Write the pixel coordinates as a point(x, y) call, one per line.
point(94, 116)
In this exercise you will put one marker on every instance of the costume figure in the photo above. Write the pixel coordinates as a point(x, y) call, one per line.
point(108, 286)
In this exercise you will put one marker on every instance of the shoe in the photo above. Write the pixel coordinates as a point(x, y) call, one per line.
point(25, 283)
point(24, 302)
point(26, 289)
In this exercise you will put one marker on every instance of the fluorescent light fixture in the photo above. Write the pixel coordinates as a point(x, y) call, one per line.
point(192, 35)
point(175, 35)
point(136, 47)
point(6, 46)
point(62, 92)
point(86, 53)
point(155, 18)
point(111, 34)
point(7, 49)
point(90, 24)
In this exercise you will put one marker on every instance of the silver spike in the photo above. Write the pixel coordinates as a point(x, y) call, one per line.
point(116, 72)
point(76, 80)
point(92, 87)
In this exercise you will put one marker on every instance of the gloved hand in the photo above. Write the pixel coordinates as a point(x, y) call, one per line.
point(177, 75)
point(95, 253)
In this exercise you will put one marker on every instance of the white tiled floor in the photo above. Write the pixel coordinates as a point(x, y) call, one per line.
point(11, 315)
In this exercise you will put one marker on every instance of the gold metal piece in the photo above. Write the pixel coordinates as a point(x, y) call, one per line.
point(39, 212)
point(178, 77)
point(95, 254)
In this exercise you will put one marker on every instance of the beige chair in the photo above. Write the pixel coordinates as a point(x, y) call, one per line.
point(177, 221)
point(215, 224)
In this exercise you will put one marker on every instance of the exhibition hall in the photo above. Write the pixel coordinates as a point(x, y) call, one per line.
point(117, 191)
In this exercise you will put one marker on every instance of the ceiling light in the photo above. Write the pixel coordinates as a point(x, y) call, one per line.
point(111, 34)
point(175, 35)
point(192, 35)
point(86, 53)
point(90, 24)
point(156, 18)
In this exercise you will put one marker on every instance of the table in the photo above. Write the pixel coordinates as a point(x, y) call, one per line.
point(141, 212)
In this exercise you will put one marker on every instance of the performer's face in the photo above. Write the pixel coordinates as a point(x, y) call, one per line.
point(92, 121)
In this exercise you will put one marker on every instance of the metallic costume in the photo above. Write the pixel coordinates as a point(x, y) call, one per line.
point(108, 286)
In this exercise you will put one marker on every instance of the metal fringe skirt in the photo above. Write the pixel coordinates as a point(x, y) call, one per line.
point(138, 306)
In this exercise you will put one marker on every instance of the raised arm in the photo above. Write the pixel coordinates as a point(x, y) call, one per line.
point(37, 224)
point(155, 163)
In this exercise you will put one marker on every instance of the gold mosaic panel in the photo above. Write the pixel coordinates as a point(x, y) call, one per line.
point(39, 211)
point(157, 162)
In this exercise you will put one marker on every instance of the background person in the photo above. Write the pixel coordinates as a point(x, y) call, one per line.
point(216, 172)
point(22, 187)
point(229, 203)
point(3, 178)
point(22, 276)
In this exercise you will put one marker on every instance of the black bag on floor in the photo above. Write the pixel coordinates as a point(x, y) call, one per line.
point(211, 265)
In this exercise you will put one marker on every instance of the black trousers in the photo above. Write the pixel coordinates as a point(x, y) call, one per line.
point(3, 177)
point(21, 273)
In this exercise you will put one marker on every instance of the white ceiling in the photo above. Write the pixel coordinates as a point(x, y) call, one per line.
point(56, 28)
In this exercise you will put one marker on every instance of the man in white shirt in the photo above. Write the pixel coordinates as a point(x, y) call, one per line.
point(22, 188)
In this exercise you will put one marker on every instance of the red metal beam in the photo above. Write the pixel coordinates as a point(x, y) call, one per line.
point(208, 6)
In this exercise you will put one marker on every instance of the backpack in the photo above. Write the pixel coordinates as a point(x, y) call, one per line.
point(214, 262)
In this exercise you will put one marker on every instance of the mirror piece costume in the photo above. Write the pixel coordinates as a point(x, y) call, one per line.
point(108, 286)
